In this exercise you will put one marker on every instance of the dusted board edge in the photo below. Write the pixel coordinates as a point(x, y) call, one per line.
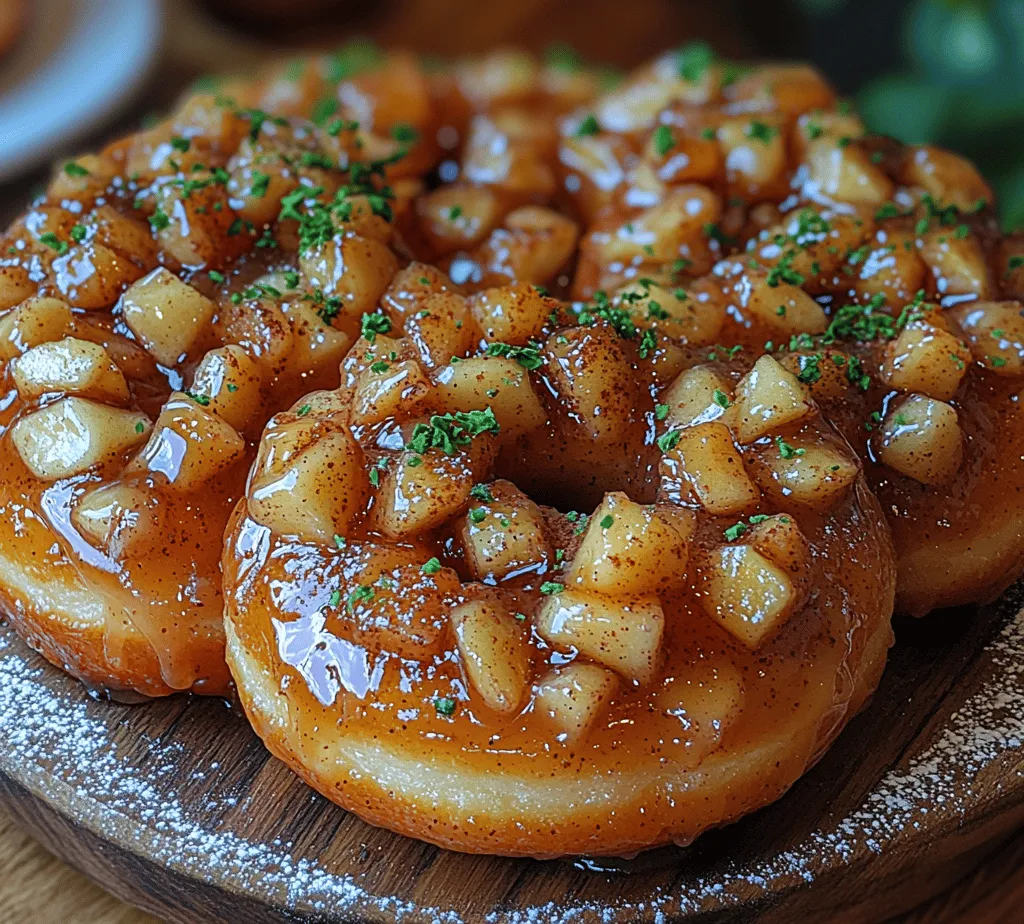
point(856, 876)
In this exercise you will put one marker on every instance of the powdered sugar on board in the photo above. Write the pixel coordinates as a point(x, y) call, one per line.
point(55, 744)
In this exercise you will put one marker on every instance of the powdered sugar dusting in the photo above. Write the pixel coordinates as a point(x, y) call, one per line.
point(64, 751)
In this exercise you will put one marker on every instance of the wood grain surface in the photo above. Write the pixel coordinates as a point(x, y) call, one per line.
point(175, 806)
point(895, 813)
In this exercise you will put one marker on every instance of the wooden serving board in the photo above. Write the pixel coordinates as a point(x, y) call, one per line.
point(175, 806)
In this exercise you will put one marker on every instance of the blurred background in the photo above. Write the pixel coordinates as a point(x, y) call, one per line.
point(948, 71)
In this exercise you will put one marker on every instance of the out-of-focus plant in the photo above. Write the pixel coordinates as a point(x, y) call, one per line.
point(962, 86)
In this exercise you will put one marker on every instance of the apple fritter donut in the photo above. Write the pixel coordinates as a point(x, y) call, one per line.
point(455, 608)
point(747, 207)
point(157, 305)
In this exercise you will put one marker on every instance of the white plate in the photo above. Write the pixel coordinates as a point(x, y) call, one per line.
point(77, 60)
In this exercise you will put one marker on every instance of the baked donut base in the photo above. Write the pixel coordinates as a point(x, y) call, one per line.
point(68, 621)
point(503, 813)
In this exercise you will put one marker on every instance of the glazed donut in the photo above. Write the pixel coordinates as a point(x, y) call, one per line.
point(157, 305)
point(750, 207)
point(454, 608)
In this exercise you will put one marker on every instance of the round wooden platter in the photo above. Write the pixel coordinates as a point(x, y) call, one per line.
point(175, 807)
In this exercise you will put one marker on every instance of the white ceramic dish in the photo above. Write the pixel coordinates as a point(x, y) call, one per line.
point(75, 63)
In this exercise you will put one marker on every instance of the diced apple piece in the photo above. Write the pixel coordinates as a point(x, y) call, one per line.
point(921, 438)
point(168, 316)
point(785, 309)
point(34, 321)
point(706, 701)
point(491, 381)
point(685, 316)
point(454, 217)
point(807, 472)
point(779, 539)
point(949, 178)
point(73, 435)
point(748, 595)
point(15, 286)
point(705, 461)
point(752, 158)
point(699, 395)
point(355, 269)
point(316, 346)
point(421, 491)
point(845, 173)
point(657, 234)
point(442, 328)
point(195, 225)
point(125, 520)
point(262, 329)
point(232, 382)
point(995, 332)
point(310, 479)
point(411, 287)
point(927, 360)
point(593, 377)
point(811, 126)
point(958, 265)
point(511, 314)
point(390, 389)
point(69, 366)
point(189, 445)
point(621, 634)
point(494, 653)
point(768, 398)
point(574, 697)
point(504, 536)
point(631, 548)
point(534, 244)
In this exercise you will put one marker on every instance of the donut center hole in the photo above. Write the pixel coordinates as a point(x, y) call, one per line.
point(551, 483)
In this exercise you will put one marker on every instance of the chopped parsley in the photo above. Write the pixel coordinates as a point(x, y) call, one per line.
point(362, 594)
point(551, 588)
point(663, 140)
point(787, 451)
point(159, 219)
point(760, 131)
point(405, 133)
point(375, 323)
point(693, 61)
point(259, 184)
point(52, 241)
point(449, 431)
point(431, 566)
point(607, 521)
point(74, 169)
point(783, 271)
point(588, 126)
point(445, 705)
point(529, 357)
point(563, 57)
point(668, 441)
point(482, 492)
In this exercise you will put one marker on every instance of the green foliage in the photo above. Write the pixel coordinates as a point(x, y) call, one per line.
point(962, 87)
